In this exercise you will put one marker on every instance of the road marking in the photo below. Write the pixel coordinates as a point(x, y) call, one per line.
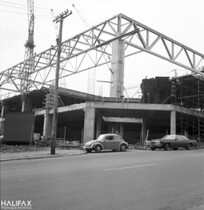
point(21, 180)
point(129, 167)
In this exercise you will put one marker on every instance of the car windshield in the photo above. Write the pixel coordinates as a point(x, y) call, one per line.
point(173, 137)
point(108, 137)
point(100, 137)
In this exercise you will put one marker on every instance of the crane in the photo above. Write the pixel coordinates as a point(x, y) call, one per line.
point(30, 42)
point(29, 52)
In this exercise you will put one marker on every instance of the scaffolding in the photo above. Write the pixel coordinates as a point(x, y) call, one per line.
point(185, 91)
point(190, 94)
point(191, 126)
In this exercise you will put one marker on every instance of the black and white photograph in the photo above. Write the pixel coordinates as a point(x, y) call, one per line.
point(101, 105)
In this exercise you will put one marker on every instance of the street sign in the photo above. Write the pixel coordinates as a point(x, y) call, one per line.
point(49, 101)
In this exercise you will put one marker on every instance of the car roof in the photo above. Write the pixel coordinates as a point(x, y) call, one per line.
point(175, 135)
point(109, 134)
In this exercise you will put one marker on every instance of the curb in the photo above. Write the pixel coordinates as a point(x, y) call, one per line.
point(42, 157)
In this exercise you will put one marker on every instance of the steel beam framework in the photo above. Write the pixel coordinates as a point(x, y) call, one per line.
point(93, 45)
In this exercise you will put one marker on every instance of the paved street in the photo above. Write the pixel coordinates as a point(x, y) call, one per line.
point(134, 180)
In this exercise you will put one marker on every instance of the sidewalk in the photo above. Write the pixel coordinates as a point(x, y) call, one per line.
point(40, 154)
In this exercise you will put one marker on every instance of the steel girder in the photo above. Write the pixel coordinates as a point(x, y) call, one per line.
point(94, 45)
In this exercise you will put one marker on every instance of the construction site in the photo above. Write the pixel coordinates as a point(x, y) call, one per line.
point(166, 105)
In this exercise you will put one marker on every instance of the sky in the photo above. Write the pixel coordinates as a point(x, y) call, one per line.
point(181, 20)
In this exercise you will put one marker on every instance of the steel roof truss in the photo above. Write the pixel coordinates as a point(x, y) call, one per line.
point(99, 39)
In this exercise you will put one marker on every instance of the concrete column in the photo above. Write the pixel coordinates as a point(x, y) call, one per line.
point(47, 126)
point(89, 124)
point(144, 129)
point(26, 104)
point(2, 111)
point(98, 126)
point(121, 129)
point(117, 67)
point(173, 123)
point(2, 119)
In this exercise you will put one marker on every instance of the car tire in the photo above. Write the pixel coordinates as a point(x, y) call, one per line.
point(88, 151)
point(167, 146)
point(188, 146)
point(98, 148)
point(123, 148)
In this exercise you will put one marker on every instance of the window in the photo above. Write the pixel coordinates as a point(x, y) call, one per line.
point(109, 138)
point(117, 138)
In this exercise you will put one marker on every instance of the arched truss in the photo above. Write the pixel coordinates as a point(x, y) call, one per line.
point(94, 45)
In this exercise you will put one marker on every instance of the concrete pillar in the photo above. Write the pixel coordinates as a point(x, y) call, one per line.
point(144, 129)
point(117, 67)
point(98, 126)
point(2, 111)
point(47, 126)
point(2, 119)
point(121, 129)
point(89, 124)
point(26, 104)
point(173, 123)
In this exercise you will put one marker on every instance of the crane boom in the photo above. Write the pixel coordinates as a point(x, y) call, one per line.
point(29, 49)
point(25, 84)
point(30, 42)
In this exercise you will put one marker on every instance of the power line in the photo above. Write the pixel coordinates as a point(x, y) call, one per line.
point(13, 12)
point(5, 4)
point(21, 5)
point(22, 8)
point(24, 13)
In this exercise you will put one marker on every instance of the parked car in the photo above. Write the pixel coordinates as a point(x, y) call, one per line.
point(173, 141)
point(107, 141)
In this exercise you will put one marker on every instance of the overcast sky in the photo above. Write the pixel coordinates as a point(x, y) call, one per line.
point(181, 20)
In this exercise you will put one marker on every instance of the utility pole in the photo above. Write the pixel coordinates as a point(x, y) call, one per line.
point(59, 19)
